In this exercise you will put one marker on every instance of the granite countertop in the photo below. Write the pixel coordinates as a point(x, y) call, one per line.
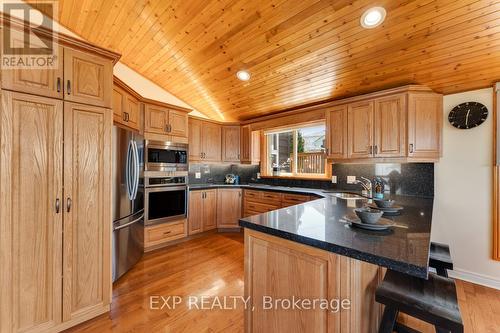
point(320, 223)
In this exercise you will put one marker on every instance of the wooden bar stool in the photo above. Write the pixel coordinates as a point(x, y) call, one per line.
point(433, 301)
point(440, 258)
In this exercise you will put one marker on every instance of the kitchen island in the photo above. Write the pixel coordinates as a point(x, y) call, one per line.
point(309, 253)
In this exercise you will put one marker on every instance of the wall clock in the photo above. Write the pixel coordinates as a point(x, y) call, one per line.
point(468, 115)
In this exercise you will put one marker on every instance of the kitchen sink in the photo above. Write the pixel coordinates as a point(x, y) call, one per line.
point(350, 196)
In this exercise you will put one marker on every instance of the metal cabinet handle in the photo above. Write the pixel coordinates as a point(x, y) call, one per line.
point(124, 116)
point(376, 149)
point(58, 84)
point(68, 87)
point(58, 206)
point(68, 204)
point(411, 147)
point(128, 117)
point(169, 128)
point(370, 150)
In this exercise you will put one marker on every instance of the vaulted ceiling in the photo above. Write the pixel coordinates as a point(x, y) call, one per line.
point(297, 51)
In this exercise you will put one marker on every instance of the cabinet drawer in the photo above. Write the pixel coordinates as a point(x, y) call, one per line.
point(251, 194)
point(164, 233)
point(271, 196)
point(295, 198)
point(259, 207)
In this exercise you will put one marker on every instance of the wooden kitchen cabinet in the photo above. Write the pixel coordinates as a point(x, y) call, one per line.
point(425, 125)
point(211, 137)
point(336, 123)
point(360, 130)
point(155, 119)
point(205, 141)
point(87, 209)
point(195, 149)
point(202, 211)
point(229, 202)
point(126, 106)
point(390, 126)
point(210, 210)
point(88, 79)
point(400, 124)
point(42, 82)
point(31, 187)
point(249, 146)
point(168, 123)
point(231, 143)
point(157, 236)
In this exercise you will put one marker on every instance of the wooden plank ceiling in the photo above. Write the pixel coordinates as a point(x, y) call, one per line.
point(297, 51)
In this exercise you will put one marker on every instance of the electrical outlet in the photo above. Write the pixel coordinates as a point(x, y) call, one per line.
point(351, 179)
point(334, 179)
point(197, 175)
point(258, 175)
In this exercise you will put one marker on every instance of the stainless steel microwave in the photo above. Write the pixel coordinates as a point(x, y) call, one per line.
point(165, 156)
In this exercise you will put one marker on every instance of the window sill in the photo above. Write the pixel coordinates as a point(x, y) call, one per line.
point(298, 177)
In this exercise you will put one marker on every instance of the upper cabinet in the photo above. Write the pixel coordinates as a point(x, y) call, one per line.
point(231, 143)
point(402, 123)
point(126, 106)
point(336, 119)
point(250, 145)
point(165, 121)
point(205, 141)
point(425, 125)
point(88, 79)
point(41, 82)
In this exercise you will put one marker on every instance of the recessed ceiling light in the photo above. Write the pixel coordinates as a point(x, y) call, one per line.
point(243, 75)
point(373, 17)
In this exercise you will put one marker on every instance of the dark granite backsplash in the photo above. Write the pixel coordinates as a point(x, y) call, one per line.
point(405, 179)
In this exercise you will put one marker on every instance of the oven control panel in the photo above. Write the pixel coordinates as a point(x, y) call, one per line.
point(165, 181)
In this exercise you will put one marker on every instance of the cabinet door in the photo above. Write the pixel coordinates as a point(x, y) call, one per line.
point(119, 105)
point(228, 207)
point(210, 210)
point(31, 228)
point(231, 143)
point(211, 142)
point(178, 121)
point(87, 213)
point(194, 140)
point(336, 119)
point(425, 125)
point(360, 130)
point(43, 82)
point(133, 110)
point(195, 217)
point(390, 126)
point(155, 119)
point(88, 78)
point(246, 137)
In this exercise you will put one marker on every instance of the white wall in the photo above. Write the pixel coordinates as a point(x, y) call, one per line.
point(463, 194)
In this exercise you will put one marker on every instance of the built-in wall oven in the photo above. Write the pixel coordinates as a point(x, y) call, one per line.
point(165, 156)
point(165, 197)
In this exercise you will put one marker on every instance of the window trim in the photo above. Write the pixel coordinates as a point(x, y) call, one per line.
point(264, 166)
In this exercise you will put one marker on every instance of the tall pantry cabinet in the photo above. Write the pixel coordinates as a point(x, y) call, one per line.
point(55, 207)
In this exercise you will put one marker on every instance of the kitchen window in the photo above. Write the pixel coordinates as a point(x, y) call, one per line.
point(297, 151)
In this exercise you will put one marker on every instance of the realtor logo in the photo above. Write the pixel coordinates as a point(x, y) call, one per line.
point(25, 47)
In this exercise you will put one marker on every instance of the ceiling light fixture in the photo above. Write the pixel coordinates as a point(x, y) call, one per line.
point(243, 75)
point(373, 17)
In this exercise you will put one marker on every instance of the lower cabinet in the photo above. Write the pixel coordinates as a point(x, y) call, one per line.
point(228, 207)
point(317, 275)
point(156, 236)
point(54, 175)
point(202, 211)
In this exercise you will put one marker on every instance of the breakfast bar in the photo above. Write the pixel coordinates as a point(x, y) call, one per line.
point(310, 252)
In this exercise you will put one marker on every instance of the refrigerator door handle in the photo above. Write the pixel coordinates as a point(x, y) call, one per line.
point(136, 170)
point(128, 166)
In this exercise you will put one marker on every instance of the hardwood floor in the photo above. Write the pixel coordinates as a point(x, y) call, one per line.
point(212, 265)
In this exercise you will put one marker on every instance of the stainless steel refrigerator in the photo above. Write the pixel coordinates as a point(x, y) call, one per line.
point(128, 200)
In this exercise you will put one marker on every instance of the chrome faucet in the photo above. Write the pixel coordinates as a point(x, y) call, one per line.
point(367, 187)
